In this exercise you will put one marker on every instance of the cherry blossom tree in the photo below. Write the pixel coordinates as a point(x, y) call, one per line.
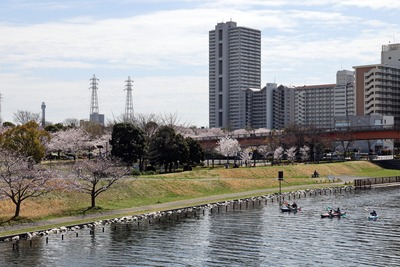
point(291, 153)
point(245, 155)
point(278, 153)
point(304, 151)
point(21, 179)
point(97, 176)
point(70, 141)
point(228, 146)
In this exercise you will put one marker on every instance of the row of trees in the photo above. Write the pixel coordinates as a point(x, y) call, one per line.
point(293, 143)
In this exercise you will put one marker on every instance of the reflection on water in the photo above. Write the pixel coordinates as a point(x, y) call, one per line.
point(259, 236)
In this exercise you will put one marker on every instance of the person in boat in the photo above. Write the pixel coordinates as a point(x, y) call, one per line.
point(373, 213)
point(294, 205)
point(337, 211)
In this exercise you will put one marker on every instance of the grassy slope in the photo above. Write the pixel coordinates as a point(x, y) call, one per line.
point(148, 190)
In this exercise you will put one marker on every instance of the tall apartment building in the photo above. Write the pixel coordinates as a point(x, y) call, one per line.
point(234, 67)
point(378, 85)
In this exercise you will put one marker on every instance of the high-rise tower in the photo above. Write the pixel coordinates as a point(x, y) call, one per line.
point(94, 103)
point(129, 102)
point(43, 114)
point(234, 66)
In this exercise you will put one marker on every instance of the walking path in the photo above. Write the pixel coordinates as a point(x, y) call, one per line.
point(87, 218)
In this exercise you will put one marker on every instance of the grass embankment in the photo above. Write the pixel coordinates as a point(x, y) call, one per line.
point(148, 190)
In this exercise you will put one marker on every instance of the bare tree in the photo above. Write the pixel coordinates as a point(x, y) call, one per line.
point(23, 116)
point(20, 179)
point(97, 176)
point(71, 122)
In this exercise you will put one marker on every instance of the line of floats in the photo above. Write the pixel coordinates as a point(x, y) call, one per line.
point(182, 213)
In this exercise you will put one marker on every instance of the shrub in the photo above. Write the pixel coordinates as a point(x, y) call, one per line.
point(135, 172)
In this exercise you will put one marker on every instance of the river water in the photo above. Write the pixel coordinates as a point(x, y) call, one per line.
point(258, 235)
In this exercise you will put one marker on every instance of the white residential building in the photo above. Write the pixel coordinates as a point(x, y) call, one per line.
point(234, 67)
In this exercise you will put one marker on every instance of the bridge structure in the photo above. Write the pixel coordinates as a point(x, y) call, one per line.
point(340, 134)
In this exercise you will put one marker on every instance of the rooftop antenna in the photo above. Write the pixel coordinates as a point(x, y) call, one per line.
point(129, 102)
point(94, 103)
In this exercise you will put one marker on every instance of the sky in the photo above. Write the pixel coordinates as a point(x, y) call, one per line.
point(50, 49)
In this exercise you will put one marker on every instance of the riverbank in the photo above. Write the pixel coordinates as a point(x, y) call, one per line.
point(179, 190)
point(42, 225)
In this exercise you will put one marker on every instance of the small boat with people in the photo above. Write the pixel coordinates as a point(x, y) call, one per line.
point(333, 213)
point(373, 216)
point(286, 207)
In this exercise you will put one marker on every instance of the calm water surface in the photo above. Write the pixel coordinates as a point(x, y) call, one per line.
point(259, 236)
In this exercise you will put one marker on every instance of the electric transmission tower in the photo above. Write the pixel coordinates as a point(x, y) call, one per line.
point(129, 102)
point(94, 103)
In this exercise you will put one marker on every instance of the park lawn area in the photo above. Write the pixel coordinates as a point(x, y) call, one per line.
point(146, 190)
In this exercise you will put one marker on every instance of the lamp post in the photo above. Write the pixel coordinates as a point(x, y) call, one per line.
point(280, 179)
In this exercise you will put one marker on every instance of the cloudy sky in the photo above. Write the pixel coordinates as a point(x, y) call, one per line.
point(50, 49)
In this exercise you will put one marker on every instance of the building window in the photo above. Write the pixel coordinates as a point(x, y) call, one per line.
point(220, 35)
point(220, 119)
point(220, 101)
point(220, 84)
point(220, 50)
point(220, 67)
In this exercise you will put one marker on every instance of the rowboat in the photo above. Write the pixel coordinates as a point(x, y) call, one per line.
point(289, 209)
point(373, 218)
point(333, 215)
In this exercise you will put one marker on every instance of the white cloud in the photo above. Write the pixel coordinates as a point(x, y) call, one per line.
point(165, 51)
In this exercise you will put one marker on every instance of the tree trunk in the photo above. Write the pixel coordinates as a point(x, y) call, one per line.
point(93, 198)
point(17, 209)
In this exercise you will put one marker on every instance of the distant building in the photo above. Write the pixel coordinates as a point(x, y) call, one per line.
point(312, 105)
point(234, 67)
point(97, 118)
point(378, 85)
